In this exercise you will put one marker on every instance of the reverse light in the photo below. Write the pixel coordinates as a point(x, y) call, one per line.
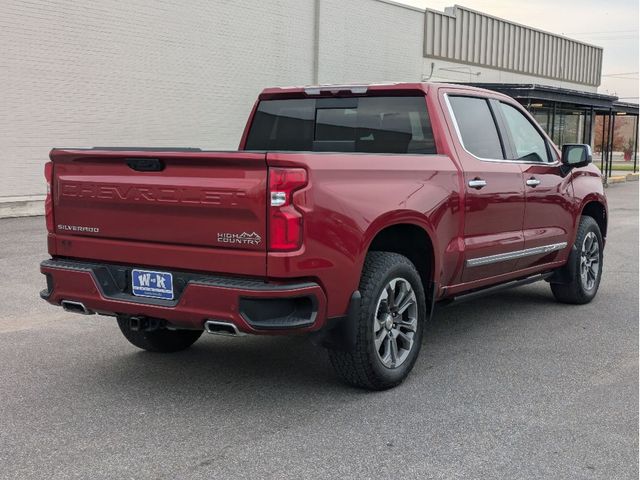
point(285, 220)
point(48, 202)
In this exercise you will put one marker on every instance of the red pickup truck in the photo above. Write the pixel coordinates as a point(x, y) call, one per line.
point(347, 213)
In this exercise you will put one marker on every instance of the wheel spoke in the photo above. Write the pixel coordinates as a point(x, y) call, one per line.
point(385, 356)
point(378, 325)
point(391, 295)
point(379, 339)
point(393, 350)
point(588, 242)
point(407, 302)
point(401, 294)
point(409, 324)
point(406, 339)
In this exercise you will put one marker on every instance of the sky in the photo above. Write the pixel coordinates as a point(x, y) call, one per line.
point(610, 24)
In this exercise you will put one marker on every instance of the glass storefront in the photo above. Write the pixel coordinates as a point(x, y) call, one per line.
point(569, 127)
point(565, 126)
point(571, 116)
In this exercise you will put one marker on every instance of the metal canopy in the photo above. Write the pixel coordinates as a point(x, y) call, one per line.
point(593, 104)
point(548, 93)
point(625, 107)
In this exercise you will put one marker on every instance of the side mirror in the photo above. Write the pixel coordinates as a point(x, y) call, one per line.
point(575, 155)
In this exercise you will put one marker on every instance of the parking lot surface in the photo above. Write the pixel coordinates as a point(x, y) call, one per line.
point(509, 386)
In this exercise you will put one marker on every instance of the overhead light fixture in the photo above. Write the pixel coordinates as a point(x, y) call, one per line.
point(537, 105)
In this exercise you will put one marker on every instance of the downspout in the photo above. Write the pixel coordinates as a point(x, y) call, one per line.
point(316, 43)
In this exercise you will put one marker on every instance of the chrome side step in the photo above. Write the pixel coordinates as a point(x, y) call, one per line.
point(497, 288)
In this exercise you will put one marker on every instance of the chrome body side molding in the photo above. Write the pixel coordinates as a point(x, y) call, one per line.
point(502, 257)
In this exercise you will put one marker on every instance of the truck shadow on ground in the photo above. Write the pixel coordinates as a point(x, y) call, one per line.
point(293, 366)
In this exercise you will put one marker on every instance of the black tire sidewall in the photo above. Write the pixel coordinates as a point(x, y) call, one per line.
point(588, 225)
point(407, 272)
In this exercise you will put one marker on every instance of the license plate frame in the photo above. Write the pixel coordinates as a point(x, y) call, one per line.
point(152, 284)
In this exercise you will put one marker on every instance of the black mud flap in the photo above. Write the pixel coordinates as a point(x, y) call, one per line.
point(566, 274)
point(340, 333)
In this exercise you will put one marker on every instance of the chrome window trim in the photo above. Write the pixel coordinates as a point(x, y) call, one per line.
point(527, 252)
point(493, 160)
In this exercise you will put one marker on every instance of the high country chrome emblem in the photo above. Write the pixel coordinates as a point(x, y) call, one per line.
point(243, 238)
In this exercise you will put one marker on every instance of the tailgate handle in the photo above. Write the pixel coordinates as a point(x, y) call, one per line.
point(146, 164)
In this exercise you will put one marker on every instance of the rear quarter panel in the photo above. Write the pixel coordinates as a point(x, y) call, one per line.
point(352, 197)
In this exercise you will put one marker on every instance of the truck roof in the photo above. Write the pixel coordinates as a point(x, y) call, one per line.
point(360, 88)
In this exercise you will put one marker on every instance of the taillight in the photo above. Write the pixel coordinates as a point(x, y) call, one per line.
point(48, 203)
point(285, 220)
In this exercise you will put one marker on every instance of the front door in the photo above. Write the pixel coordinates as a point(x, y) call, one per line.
point(548, 218)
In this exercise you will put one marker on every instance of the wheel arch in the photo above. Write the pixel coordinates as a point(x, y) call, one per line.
point(596, 209)
point(411, 238)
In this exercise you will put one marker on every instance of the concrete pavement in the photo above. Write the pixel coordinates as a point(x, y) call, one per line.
point(510, 386)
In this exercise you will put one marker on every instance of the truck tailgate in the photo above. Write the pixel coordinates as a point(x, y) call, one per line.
point(160, 198)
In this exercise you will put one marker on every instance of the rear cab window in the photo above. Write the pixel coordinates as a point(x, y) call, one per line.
point(374, 124)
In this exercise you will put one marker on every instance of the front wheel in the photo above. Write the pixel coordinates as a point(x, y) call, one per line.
point(160, 340)
point(390, 325)
point(585, 265)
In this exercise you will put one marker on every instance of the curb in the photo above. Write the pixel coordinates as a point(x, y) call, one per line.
point(631, 177)
point(11, 207)
point(617, 179)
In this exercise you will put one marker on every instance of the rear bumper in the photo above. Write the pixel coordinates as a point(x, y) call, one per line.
point(252, 305)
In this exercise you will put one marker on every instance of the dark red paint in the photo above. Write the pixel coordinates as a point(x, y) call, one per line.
point(172, 218)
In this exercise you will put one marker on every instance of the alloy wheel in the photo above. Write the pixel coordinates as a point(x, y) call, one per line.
point(395, 323)
point(590, 261)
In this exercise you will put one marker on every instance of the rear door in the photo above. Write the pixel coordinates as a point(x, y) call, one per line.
point(548, 219)
point(150, 200)
point(494, 190)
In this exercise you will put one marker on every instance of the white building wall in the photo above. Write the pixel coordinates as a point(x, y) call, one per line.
point(369, 41)
point(185, 73)
point(140, 72)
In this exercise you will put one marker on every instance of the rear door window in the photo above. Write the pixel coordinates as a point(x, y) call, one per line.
point(477, 127)
point(355, 124)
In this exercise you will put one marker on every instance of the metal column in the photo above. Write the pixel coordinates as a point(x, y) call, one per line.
point(589, 134)
point(635, 148)
point(612, 124)
point(602, 145)
point(553, 122)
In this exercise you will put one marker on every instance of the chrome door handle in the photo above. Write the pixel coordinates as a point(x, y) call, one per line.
point(477, 183)
point(533, 182)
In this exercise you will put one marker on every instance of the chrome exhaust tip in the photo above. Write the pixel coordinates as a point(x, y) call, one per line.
point(75, 307)
point(226, 329)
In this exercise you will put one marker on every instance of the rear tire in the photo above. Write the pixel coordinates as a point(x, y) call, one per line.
point(584, 268)
point(161, 340)
point(390, 325)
